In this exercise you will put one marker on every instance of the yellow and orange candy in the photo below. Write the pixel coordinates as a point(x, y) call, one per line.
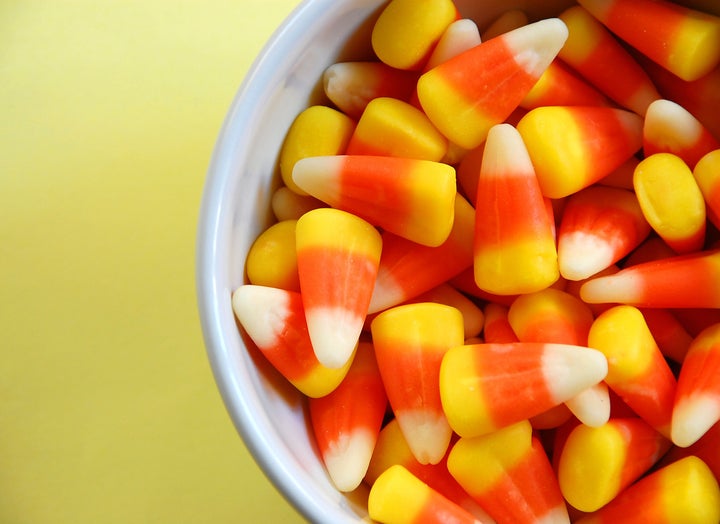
point(560, 86)
point(707, 176)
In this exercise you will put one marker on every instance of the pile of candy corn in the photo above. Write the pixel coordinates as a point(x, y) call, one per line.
point(495, 271)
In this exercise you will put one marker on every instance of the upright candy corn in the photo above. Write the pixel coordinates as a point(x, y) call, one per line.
point(514, 243)
point(509, 474)
point(599, 226)
point(684, 41)
point(352, 85)
point(707, 176)
point(338, 256)
point(685, 281)
point(484, 387)
point(346, 430)
point(318, 130)
point(408, 269)
point(407, 31)
point(596, 54)
point(411, 198)
point(573, 147)
point(410, 343)
point(637, 370)
point(468, 94)
point(275, 321)
point(391, 127)
point(399, 497)
point(671, 201)
point(670, 128)
point(697, 402)
point(598, 463)
point(683, 492)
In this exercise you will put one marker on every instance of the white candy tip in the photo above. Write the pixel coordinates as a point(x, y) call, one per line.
point(568, 369)
point(427, 434)
point(582, 255)
point(347, 462)
point(334, 333)
point(692, 418)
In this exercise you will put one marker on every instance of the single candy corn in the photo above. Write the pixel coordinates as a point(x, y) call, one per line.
point(338, 256)
point(288, 205)
point(707, 176)
point(671, 201)
point(275, 321)
point(497, 328)
point(559, 86)
point(484, 387)
point(408, 269)
point(410, 343)
point(597, 55)
point(399, 497)
point(684, 492)
point(637, 370)
point(682, 40)
point(461, 35)
point(572, 147)
point(346, 430)
point(510, 475)
point(392, 449)
point(598, 463)
point(697, 402)
point(411, 198)
point(352, 85)
point(272, 261)
point(684, 281)
point(514, 243)
point(391, 127)
point(599, 226)
point(318, 130)
point(558, 317)
point(407, 31)
point(670, 128)
point(468, 94)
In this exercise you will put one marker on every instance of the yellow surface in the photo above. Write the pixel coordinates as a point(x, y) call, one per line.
point(108, 115)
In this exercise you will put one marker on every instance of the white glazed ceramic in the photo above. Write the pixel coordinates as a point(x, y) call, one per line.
point(285, 78)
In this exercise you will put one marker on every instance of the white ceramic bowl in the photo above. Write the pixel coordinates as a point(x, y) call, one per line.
point(285, 78)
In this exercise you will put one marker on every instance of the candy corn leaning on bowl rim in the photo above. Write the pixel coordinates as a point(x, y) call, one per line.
point(460, 260)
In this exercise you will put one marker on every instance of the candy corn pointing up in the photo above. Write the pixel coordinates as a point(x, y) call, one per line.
point(338, 256)
point(468, 94)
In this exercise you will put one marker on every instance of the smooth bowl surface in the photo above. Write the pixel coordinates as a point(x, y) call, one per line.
point(285, 79)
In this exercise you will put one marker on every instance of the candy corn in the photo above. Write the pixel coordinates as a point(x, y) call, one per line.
point(399, 497)
point(559, 86)
point(484, 387)
point(599, 226)
point(410, 343)
point(684, 281)
point(411, 198)
point(707, 176)
point(671, 201)
point(684, 41)
point(468, 94)
point(338, 256)
point(637, 370)
point(407, 31)
point(271, 260)
point(683, 492)
point(573, 147)
point(509, 474)
point(598, 463)
point(697, 401)
point(275, 321)
point(514, 244)
point(346, 430)
point(598, 56)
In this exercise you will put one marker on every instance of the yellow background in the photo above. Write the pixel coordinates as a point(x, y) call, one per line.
point(108, 114)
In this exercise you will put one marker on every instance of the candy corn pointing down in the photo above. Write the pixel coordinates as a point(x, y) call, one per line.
point(338, 256)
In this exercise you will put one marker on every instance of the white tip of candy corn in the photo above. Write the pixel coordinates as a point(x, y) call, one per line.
point(669, 123)
point(386, 293)
point(319, 176)
point(617, 288)
point(427, 434)
point(535, 45)
point(692, 417)
point(262, 311)
point(591, 406)
point(569, 369)
point(581, 255)
point(334, 333)
point(347, 462)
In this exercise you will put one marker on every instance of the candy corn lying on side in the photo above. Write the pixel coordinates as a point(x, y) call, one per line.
point(494, 270)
